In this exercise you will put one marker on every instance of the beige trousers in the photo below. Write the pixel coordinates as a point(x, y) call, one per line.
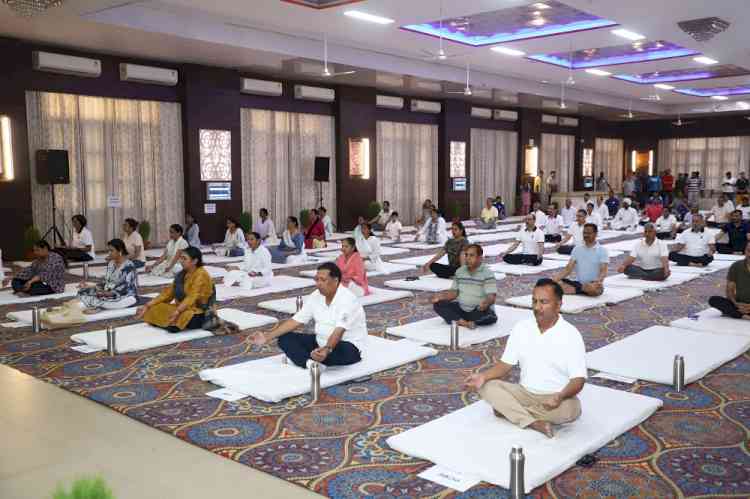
point(522, 407)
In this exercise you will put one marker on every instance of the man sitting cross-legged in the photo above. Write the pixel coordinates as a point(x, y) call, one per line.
point(340, 325)
point(552, 358)
point(648, 259)
point(694, 247)
point(470, 300)
point(589, 260)
point(531, 238)
point(737, 302)
point(573, 234)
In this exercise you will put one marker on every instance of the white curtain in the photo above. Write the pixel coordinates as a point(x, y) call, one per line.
point(278, 163)
point(711, 156)
point(407, 159)
point(558, 154)
point(116, 147)
point(494, 162)
point(608, 158)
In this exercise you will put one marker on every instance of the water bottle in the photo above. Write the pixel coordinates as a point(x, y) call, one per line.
point(314, 381)
point(678, 373)
point(36, 325)
point(111, 341)
point(454, 336)
point(299, 303)
point(85, 272)
point(517, 460)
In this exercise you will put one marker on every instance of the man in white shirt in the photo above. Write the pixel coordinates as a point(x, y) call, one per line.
point(327, 223)
point(255, 270)
point(553, 226)
point(666, 224)
point(568, 213)
point(694, 247)
point(593, 217)
point(265, 228)
point(539, 216)
point(531, 238)
point(552, 357)
point(393, 228)
point(728, 186)
point(573, 235)
point(626, 218)
point(586, 200)
point(601, 208)
point(379, 221)
point(649, 258)
point(489, 215)
point(340, 325)
point(720, 211)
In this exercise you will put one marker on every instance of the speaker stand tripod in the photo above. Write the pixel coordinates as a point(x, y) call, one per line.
point(320, 195)
point(54, 230)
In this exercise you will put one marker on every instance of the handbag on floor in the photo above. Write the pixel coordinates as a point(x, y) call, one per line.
point(66, 315)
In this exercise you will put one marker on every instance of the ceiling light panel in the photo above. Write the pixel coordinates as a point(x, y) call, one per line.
point(688, 74)
point(618, 54)
point(364, 16)
point(719, 97)
point(628, 35)
point(664, 86)
point(508, 51)
point(705, 60)
point(598, 72)
point(715, 91)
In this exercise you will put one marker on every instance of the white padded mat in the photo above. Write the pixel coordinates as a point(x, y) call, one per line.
point(575, 304)
point(388, 268)
point(622, 245)
point(712, 267)
point(566, 258)
point(436, 332)
point(418, 261)
point(728, 258)
point(279, 283)
point(421, 246)
point(143, 336)
point(311, 260)
point(424, 283)
point(147, 280)
point(99, 272)
point(330, 246)
point(495, 236)
point(99, 260)
point(8, 298)
point(222, 259)
point(377, 295)
point(475, 442)
point(507, 268)
point(271, 380)
point(711, 321)
point(623, 281)
point(649, 354)
point(495, 249)
point(384, 251)
point(25, 315)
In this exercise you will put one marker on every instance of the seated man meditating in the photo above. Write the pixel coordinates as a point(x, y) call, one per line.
point(552, 358)
point(738, 234)
point(45, 275)
point(666, 224)
point(340, 325)
point(454, 248)
point(255, 270)
point(532, 240)
point(393, 228)
point(648, 259)
point(573, 234)
point(626, 218)
point(489, 215)
point(589, 260)
point(694, 247)
point(118, 289)
point(379, 221)
point(470, 300)
point(553, 225)
point(737, 302)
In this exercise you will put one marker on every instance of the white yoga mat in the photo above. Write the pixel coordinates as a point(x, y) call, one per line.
point(507, 268)
point(388, 268)
point(421, 246)
point(330, 246)
point(495, 249)
point(623, 281)
point(728, 258)
point(418, 261)
point(25, 315)
point(495, 236)
point(97, 272)
point(384, 251)
point(566, 258)
point(148, 280)
point(649, 355)
point(8, 298)
point(575, 304)
point(436, 332)
point(424, 283)
point(271, 380)
point(143, 336)
point(377, 295)
point(475, 442)
point(279, 283)
point(311, 260)
point(621, 245)
point(711, 321)
point(99, 260)
point(712, 267)
point(222, 259)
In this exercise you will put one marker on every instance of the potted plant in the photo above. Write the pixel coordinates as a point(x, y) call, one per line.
point(373, 210)
point(85, 488)
point(144, 229)
point(246, 221)
point(30, 237)
point(304, 218)
point(456, 208)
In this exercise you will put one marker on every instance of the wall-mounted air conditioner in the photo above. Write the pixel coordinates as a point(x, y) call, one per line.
point(305, 92)
point(566, 121)
point(549, 119)
point(261, 87)
point(148, 74)
point(505, 115)
point(481, 112)
point(66, 64)
point(389, 102)
point(425, 106)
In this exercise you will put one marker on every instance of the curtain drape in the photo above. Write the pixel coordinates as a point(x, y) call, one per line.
point(711, 156)
point(608, 158)
point(116, 147)
point(494, 163)
point(558, 154)
point(407, 158)
point(278, 163)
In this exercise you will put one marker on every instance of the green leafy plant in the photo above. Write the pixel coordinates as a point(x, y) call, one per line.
point(304, 217)
point(85, 488)
point(144, 229)
point(373, 209)
point(246, 221)
point(30, 236)
point(456, 208)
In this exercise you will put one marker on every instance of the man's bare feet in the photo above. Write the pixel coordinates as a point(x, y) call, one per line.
point(466, 324)
point(746, 317)
point(498, 414)
point(543, 427)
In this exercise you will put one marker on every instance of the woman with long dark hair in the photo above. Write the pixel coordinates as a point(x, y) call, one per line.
point(118, 289)
point(45, 276)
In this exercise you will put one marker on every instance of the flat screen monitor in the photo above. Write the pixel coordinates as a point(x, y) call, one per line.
point(459, 183)
point(219, 191)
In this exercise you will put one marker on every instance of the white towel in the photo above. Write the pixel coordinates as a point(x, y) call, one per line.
point(377, 295)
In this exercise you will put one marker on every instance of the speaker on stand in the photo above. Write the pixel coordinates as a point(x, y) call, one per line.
point(52, 168)
point(322, 167)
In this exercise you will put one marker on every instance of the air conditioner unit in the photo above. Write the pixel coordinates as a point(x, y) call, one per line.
point(482, 93)
point(481, 112)
point(389, 102)
point(502, 114)
point(566, 121)
point(550, 104)
point(549, 119)
point(66, 64)
point(314, 93)
point(425, 106)
point(261, 87)
point(389, 80)
point(431, 86)
point(148, 74)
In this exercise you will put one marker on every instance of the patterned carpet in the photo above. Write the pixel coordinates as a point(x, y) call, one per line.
point(697, 445)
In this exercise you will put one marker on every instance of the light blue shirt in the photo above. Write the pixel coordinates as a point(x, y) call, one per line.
point(588, 260)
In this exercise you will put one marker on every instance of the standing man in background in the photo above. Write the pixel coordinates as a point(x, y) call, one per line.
point(667, 187)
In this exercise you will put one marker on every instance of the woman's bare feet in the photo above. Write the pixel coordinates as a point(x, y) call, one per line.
point(466, 324)
point(543, 427)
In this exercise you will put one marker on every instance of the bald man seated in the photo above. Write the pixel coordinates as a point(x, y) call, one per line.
point(649, 258)
point(531, 239)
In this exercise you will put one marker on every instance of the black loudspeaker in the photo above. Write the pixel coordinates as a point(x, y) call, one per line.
point(321, 168)
point(52, 166)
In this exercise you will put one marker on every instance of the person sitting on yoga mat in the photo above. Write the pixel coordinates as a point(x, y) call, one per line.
point(694, 247)
point(737, 302)
point(720, 212)
point(666, 224)
point(369, 249)
point(531, 238)
point(352, 267)
point(471, 299)
point(649, 258)
point(568, 213)
point(539, 215)
point(589, 260)
point(553, 225)
point(133, 243)
point(573, 234)
point(45, 276)
point(327, 222)
point(738, 234)
point(168, 264)
point(379, 221)
point(626, 218)
point(118, 288)
point(255, 270)
point(81, 247)
point(433, 231)
point(192, 231)
point(454, 248)
point(489, 215)
point(292, 244)
point(265, 228)
point(393, 228)
point(552, 357)
point(593, 217)
point(234, 239)
point(340, 325)
point(601, 208)
point(315, 235)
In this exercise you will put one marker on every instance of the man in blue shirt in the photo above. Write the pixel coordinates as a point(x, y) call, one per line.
point(613, 204)
point(589, 260)
point(738, 233)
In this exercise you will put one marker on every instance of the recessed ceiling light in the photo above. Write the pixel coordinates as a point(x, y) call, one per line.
point(719, 97)
point(630, 35)
point(364, 16)
point(598, 72)
point(539, 21)
point(664, 86)
point(742, 104)
point(705, 60)
point(540, 5)
point(508, 51)
point(544, 81)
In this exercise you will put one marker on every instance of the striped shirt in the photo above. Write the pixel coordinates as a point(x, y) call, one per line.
point(695, 184)
point(473, 288)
